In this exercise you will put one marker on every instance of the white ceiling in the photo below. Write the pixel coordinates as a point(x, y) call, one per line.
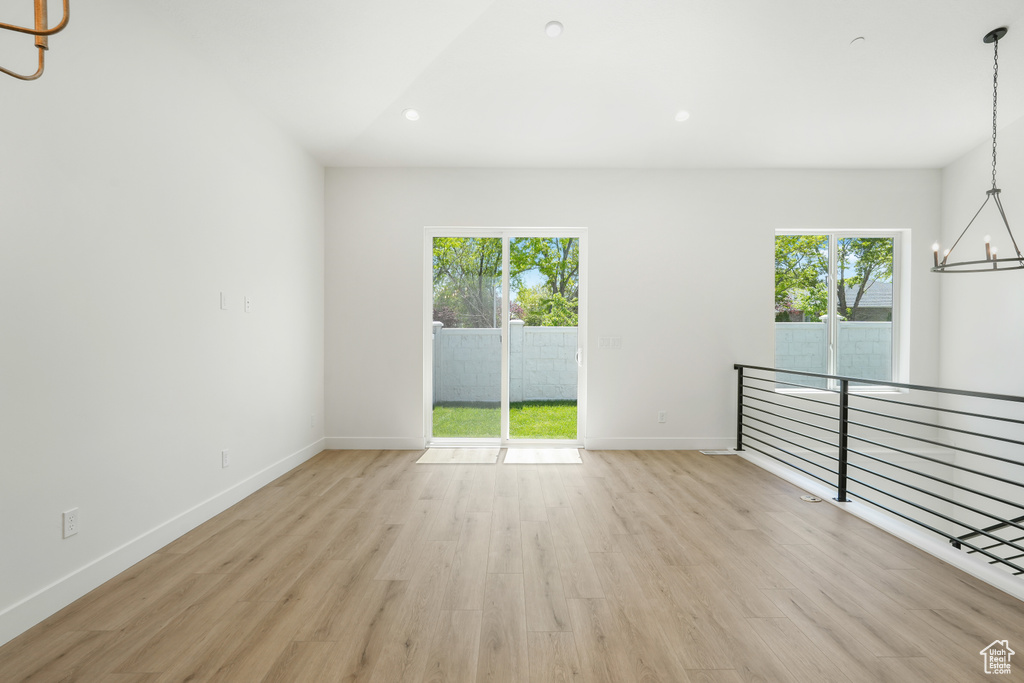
point(769, 83)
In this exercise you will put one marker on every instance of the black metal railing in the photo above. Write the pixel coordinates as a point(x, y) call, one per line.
point(948, 460)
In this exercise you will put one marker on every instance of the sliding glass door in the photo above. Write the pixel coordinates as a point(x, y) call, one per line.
point(544, 348)
point(466, 317)
point(504, 369)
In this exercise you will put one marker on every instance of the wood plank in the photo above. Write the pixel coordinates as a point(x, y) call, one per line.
point(827, 633)
point(198, 657)
point(506, 480)
point(579, 578)
point(551, 488)
point(592, 522)
point(553, 658)
point(400, 563)
point(603, 657)
point(804, 661)
point(545, 599)
point(468, 576)
point(269, 637)
point(447, 525)
point(503, 650)
point(531, 499)
point(650, 655)
point(482, 498)
point(455, 648)
point(410, 627)
point(505, 554)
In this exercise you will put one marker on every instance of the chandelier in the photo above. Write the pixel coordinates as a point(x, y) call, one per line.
point(991, 261)
point(42, 32)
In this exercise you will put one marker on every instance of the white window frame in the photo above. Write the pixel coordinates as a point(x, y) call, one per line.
point(900, 324)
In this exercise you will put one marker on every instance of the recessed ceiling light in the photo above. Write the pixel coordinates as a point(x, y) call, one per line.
point(682, 115)
point(411, 114)
point(553, 29)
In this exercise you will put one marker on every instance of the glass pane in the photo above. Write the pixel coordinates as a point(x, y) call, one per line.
point(467, 337)
point(801, 307)
point(864, 306)
point(543, 374)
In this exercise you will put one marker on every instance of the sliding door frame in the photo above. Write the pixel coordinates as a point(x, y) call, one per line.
point(506, 235)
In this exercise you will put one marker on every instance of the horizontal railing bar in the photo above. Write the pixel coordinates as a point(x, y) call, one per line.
point(799, 410)
point(933, 512)
point(790, 453)
point(791, 431)
point(790, 384)
point(754, 409)
point(1003, 522)
point(794, 443)
point(928, 526)
point(996, 545)
point(937, 426)
point(968, 489)
point(997, 527)
point(939, 443)
point(789, 396)
point(789, 464)
point(881, 383)
point(791, 419)
point(940, 462)
point(939, 408)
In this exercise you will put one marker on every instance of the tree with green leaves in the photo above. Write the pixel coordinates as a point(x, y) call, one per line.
point(554, 302)
point(556, 258)
point(862, 262)
point(467, 281)
point(801, 274)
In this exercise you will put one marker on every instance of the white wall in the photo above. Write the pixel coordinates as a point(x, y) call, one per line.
point(982, 322)
point(681, 268)
point(133, 190)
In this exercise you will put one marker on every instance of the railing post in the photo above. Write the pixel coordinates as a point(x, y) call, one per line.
point(739, 407)
point(844, 429)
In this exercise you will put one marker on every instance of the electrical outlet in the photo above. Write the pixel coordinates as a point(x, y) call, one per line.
point(662, 416)
point(312, 420)
point(225, 458)
point(248, 305)
point(70, 519)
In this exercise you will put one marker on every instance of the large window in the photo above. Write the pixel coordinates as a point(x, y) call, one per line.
point(835, 297)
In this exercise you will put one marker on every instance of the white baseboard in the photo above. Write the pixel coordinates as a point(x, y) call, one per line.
point(637, 443)
point(374, 443)
point(931, 544)
point(652, 443)
point(28, 612)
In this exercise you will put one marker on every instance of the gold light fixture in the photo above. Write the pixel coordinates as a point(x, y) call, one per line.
point(42, 32)
point(991, 261)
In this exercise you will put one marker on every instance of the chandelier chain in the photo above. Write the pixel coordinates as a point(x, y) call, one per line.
point(995, 99)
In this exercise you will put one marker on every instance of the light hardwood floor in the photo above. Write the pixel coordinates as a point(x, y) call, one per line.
point(634, 566)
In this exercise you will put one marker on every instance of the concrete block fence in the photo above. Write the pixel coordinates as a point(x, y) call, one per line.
point(467, 364)
point(865, 348)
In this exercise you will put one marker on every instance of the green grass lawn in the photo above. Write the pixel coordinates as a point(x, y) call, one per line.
point(527, 420)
